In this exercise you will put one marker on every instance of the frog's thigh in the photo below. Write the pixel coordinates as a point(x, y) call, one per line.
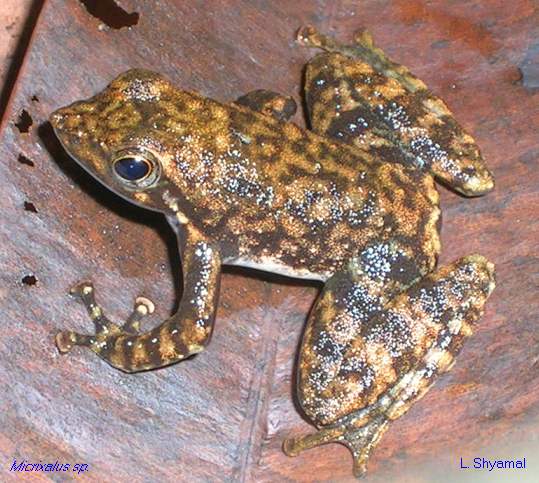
point(352, 386)
point(359, 96)
point(338, 93)
point(332, 351)
point(270, 103)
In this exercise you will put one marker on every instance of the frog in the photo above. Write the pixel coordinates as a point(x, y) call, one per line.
point(350, 202)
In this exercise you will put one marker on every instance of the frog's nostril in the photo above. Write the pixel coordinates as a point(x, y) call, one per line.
point(57, 119)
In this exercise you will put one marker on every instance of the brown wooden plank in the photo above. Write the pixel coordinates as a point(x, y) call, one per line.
point(223, 415)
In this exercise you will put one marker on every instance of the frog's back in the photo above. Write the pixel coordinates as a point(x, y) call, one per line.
point(303, 205)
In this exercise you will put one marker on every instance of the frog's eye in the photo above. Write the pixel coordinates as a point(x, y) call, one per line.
point(136, 169)
point(132, 168)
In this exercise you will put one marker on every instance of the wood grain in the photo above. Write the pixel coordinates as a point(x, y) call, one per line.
point(222, 415)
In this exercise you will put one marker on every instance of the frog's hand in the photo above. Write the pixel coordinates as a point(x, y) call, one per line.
point(357, 371)
point(184, 334)
point(269, 103)
point(356, 94)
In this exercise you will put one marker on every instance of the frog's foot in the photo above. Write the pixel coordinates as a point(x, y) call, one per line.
point(104, 328)
point(363, 45)
point(359, 440)
point(308, 36)
point(363, 48)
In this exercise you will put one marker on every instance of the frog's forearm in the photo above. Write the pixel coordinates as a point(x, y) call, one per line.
point(189, 330)
point(182, 335)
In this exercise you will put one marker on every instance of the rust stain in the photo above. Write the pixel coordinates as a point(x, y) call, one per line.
point(455, 27)
point(459, 389)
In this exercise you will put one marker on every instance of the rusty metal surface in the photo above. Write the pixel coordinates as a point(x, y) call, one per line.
point(222, 415)
point(12, 19)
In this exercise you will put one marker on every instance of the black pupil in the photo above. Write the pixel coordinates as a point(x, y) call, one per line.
point(131, 168)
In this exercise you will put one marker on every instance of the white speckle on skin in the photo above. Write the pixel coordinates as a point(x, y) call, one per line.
point(202, 287)
point(229, 176)
point(425, 150)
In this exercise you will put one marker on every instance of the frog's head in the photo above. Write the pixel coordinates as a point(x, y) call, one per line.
point(120, 136)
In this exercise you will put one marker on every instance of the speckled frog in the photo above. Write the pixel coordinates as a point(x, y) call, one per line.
point(351, 203)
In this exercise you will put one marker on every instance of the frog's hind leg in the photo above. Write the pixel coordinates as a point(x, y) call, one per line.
point(355, 94)
point(269, 103)
point(364, 361)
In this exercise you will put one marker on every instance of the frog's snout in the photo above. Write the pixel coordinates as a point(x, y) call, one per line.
point(62, 124)
point(65, 121)
point(57, 119)
point(71, 118)
point(71, 126)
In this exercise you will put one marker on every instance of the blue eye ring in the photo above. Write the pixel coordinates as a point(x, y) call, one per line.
point(136, 168)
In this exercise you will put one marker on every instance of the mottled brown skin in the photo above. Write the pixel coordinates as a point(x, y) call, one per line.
point(354, 206)
point(400, 119)
point(269, 103)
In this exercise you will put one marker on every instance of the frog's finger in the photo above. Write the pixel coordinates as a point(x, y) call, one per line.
point(65, 340)
point(270, 103)
point(143, 307)
point(356, 94)
point(85, 292)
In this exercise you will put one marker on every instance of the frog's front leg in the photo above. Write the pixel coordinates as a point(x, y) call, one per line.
point(182, 335)
point(363, 365)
